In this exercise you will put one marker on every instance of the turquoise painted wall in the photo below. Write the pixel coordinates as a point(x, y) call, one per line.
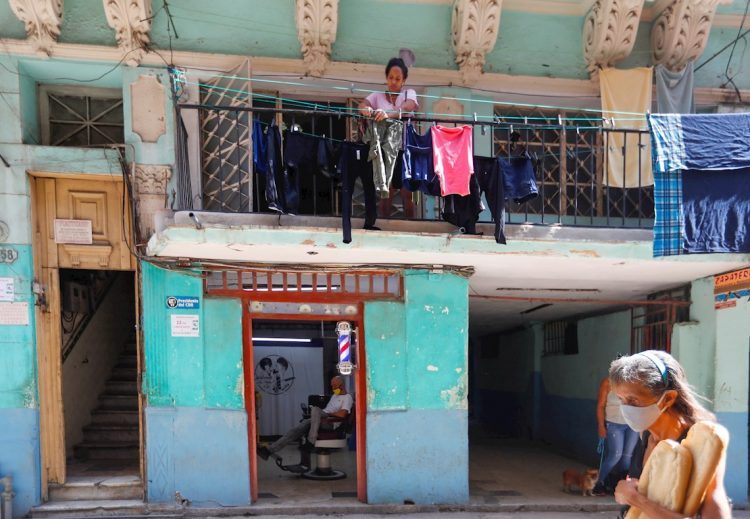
point(203, 371)
point(371, 31)
point(417, 421)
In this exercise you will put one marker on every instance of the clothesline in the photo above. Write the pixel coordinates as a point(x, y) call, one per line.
point(323, 111)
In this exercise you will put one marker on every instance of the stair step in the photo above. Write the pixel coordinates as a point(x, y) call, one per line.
point(127, 362)
point(110, 450)
point(121, 387)
point(124, 374)
point(123, 402)
point(114, 417)
point(119, 433)
point(90, 488)
point(93, 508)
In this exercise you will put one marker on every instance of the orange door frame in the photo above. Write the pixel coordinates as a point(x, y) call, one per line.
point(360, 384)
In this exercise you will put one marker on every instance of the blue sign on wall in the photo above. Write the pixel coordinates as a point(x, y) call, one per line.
point(183, 302)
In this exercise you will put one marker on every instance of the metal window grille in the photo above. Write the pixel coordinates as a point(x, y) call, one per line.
point(570, 164)
point(560, 338)
point(308, 286)
point(651, 326)
point(72, 116)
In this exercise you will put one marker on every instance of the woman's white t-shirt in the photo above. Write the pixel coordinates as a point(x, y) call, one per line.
point(379, 101)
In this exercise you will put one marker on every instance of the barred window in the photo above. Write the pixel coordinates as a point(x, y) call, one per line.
point(560, 338)
point(73, 116)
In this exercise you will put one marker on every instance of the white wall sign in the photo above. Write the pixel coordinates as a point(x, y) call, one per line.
point(184, 325)
point(7, 289)
point(14, 314)
point(73, 231)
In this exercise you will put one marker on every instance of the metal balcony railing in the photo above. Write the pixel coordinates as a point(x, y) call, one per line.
point(580, 165)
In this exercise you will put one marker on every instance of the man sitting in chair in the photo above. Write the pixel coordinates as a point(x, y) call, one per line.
point(338, 408)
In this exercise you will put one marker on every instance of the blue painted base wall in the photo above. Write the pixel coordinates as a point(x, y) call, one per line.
point(418, 455)
point(736, 478)
point(19, 456)
point(200, 453)
point(569, 424)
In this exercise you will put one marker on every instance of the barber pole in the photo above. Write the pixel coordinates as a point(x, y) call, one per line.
point(344, 331)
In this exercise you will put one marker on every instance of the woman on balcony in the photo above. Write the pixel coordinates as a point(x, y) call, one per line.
point(394, 102)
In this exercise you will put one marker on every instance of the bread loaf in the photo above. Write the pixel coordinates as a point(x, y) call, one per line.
point(665, 477)
point(707, 443)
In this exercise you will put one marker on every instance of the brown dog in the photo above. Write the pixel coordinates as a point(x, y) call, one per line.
point(584, 482)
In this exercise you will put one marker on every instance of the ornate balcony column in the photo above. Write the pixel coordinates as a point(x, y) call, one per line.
point(680, 32)
point(474, 29)
point(151, 194)
point(42, 20)
point(609, 32)
point(131, 20)
point(317, 21)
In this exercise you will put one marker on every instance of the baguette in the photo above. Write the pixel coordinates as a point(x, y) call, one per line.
point(707, 443)
point(665, 477)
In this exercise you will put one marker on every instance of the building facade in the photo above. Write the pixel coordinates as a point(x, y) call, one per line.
point(136, 117)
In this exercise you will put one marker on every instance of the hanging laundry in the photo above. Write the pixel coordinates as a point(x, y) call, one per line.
point(702, 189)
point(626, 97)
point(311, 192)
point(275, 179)
point(490, 178)
point(418, 165)
point(385, 139)
point(716, 210)
point(453, 152)
point(674, 90)
point(463, 211)
point(353, 163)
point(519, 179)
point(260, 147)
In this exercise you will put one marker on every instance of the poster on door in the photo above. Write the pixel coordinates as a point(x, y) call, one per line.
point(284, 377)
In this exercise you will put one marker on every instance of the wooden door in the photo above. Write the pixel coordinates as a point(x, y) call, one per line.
point(69, 197)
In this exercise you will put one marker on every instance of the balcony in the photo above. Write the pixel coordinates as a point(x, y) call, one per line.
point(575, 174)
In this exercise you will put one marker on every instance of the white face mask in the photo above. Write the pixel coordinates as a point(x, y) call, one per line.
point(641, 418)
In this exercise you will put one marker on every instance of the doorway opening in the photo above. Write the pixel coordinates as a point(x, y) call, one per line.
point(293, 365)
point(99, 386)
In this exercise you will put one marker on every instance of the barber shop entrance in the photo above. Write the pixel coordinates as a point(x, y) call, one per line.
point(303, 348)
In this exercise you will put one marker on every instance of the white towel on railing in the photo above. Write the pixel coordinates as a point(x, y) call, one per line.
point(626, 97)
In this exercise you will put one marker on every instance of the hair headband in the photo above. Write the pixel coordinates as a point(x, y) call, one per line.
point(656, 361)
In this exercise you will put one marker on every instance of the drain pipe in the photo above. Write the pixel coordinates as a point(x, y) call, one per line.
point(7, 497)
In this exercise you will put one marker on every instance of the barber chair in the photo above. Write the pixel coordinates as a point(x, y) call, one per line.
point(328, 442)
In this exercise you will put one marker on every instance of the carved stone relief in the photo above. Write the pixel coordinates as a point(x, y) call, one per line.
point(42, 20)
point(475, 27)
point(151, 194)
point(609, 32)
point(147, 108)
point(131, 20)
point(317, 22)
point(680, 32)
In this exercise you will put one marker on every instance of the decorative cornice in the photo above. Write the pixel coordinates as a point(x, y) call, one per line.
point(474, 29)
point(42, 20)
point(681, 31)
point(151, 179)
point(317, 22)
point(131, 20)
point(609, 32)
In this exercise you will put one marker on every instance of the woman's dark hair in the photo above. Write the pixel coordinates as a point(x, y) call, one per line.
point(397, 62)
point(642, 369)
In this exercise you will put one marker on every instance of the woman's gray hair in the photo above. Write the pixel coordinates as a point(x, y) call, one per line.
point(658, 371)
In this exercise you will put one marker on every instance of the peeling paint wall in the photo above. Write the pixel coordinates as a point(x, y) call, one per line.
point(417, 372)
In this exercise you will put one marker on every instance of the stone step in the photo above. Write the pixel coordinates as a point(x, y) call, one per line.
point(118, 433)
point(127, 362)
point(114, 417)
point(121, 374)
point(118, 402)
point(93, 508)
point(90, 488)
point(121, 387)
point(106, 450)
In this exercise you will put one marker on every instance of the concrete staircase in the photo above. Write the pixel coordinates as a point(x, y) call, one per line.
point(113, 431)
point(104, 480)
